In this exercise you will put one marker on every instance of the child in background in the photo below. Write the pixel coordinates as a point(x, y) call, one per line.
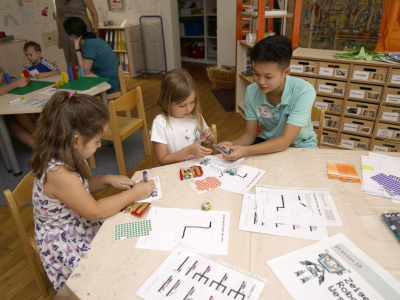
point(38, 66)
point(93, 52)
point(179, 132)
point(20, 125)
point(66, 216)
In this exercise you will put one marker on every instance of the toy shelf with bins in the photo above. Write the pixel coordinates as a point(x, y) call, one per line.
point(361, 99)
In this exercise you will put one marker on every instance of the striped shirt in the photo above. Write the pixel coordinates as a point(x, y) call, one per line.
point(42, 67)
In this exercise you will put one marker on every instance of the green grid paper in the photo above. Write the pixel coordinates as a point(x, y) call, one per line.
point(131, 230)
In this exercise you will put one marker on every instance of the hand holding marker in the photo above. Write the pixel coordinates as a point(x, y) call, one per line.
point(146, 179)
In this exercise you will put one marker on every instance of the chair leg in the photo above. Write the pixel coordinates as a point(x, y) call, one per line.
point(92, 162)
point(5, 157)
point(120, 157)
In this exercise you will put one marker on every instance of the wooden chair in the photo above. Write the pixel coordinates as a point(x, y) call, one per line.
point(215, 141)
point(22, 195)
point(122, 127)
point(318, 115)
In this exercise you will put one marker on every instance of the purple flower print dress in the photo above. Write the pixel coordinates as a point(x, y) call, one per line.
point(61, 234)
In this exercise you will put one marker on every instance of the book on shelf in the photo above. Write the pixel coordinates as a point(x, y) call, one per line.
point(247, 74)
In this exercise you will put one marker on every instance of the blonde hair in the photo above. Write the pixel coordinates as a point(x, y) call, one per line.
point(60, 119)
point(176, 88)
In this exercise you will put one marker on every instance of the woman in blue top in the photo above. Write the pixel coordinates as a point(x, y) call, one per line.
point(92, 52)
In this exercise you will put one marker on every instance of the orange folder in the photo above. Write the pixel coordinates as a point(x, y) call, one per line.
point(346, 172)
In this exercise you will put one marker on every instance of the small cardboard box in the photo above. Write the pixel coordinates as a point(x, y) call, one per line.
point(386, 146)
point(394, 77)
point(390, 114)
point(298, 66)
point(331, 122)
point(388, 131)
point(331, 105)
point(369, 73)
point(358, 126)
point(331, 87)
point(354, 142)
point(364, 110)
point(365, 92)
point(392, 96)
point(333, 69)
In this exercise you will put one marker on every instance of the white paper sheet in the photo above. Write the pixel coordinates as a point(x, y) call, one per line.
point(208, 231)
point(249, 221)
point(185, 274)
point(157, 193)
point(217, 164)
point(241, 183)
point(345, 272)
point(32, 102)
point(309, 207)
point(52, 91)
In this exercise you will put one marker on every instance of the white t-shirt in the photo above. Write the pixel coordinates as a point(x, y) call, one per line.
point(178, 134)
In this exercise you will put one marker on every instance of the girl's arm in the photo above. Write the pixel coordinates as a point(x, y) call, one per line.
point(90, 6)
point(165, 158)
point(4, 89)
point(47, 74)
point(84, 63)
point(99, 183)
point(63, 184)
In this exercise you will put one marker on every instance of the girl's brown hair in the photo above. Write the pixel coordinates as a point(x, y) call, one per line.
point(60, 120)
point(176, 88)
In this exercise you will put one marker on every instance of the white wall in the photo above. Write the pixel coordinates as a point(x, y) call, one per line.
point(226, 32)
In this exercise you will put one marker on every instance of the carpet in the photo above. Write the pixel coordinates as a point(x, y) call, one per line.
point(106, 161)
point(226, 97)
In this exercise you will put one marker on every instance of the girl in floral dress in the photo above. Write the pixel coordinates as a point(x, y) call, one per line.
point(66, 216)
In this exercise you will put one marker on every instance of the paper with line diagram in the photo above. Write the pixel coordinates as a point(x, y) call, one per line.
point(297, 206)
point(207, 231)
point(187, 275)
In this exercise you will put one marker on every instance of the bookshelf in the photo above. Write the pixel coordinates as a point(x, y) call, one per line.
point(118, 39)
point(204, 12)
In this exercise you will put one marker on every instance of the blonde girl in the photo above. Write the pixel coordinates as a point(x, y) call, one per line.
point(179, 132)
point(66, 216)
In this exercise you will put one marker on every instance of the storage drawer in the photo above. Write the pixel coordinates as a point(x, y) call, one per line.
point(386, 146)
point(334, 69)
point(331, 87)
point(369, 73)
point(361, 109)
point(392, 95)
point(388, 131)
point(389, 113)
point(354, 142)
point(331, 122)
point(298, 66)
point(331, 105)
point(366, 92)
point(329, 137)
point(357, 125)
point(394, 77)
point(312, 81)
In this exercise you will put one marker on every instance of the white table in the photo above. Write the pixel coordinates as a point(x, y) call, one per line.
point(8, 152)
point(115, 270)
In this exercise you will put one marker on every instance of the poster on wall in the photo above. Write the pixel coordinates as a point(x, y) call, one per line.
point(115, 5)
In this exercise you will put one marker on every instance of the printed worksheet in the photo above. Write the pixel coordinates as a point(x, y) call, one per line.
point(32, 102)
point(239, 180)
point(309, 207)
point(250, 221)
point(186, 274)
point(334, 269)
point(207, 231)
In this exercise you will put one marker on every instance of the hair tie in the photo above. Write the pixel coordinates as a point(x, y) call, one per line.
point(70, 95)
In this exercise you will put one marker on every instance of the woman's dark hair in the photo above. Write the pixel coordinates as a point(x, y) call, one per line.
point(276, 48)
point(75, 25)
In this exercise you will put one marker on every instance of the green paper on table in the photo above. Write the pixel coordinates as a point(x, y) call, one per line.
point(83, 83)
point(131, 230)
point(360, 55)
point(31, 87)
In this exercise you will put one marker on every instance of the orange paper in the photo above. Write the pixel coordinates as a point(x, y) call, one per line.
point(346, 172)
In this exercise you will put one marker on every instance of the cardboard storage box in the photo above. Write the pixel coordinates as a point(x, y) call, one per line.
point(298, 66)
point(358, 126)
point(392, 96)
point(333, 69)
point(386, 146)
point(354, 142)
point(331, 105)
point(369, 73)
point(394, 77)
point(388, 131)
point(365, 110)
point(331, 87)
point(331, 122)
point(365, 92)
point(390, 114)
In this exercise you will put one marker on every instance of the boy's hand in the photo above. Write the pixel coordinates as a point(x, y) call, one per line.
point(196, 149)
point(121, 182)
point(40, 75)
point(237, 152)
point(1, 77)
point(22, 82)
point(208, 136)
point(76, 42)
point(143, 189)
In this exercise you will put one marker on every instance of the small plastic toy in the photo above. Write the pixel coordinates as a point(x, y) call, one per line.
point(137, 208)
point(206, 206)
point(194, 171)
point(57, 85)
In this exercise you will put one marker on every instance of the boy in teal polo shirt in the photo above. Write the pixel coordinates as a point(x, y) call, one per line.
point(280, 103)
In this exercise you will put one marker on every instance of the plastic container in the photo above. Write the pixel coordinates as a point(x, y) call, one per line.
point(193, 28)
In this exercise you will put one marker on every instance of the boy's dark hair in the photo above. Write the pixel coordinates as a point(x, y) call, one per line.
point(77, 26)
point(34, 45)
point(275, 48)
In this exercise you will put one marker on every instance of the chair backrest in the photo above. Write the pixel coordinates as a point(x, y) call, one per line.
point(129, 101)
point(121, 78)
point(318, 115)
point(21, 196)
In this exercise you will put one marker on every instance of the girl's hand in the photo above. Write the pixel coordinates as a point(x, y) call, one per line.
point(208, 136)
point(143, 189)
point(237, 152)
point(226, 144)
point(121, 182)
point(76, 42)
point(197, 150)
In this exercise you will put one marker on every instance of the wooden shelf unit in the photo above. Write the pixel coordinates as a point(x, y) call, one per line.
point(356, 114)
